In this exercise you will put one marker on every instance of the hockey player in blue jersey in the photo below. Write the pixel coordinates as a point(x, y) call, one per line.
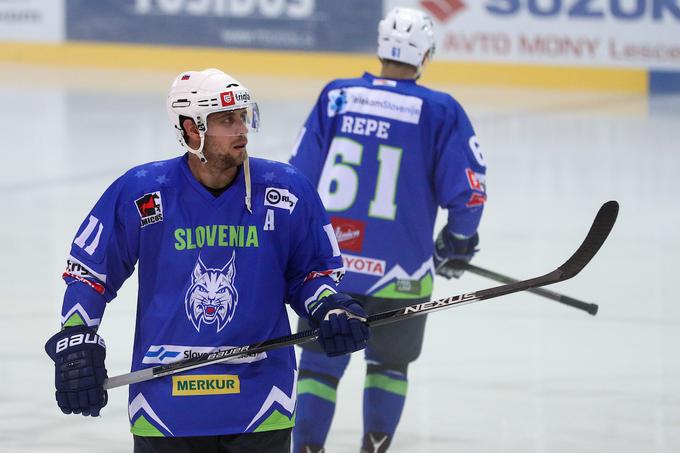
point(384, 153)
point(221, 243)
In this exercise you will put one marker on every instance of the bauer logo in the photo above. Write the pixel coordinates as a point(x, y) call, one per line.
point(280, 198)
point(150, 208)
point(164, 354)
point(349, 233)
point(205, 384)
point(77, 340)
point(227, 98)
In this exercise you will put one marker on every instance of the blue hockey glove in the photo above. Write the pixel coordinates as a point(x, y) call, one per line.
point(79, 372)
point(341, 321)
point(452, 252)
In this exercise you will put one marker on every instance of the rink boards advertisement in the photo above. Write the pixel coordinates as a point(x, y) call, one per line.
point(601, 33)
point(32, 20)
point(610, 45)
point(313, 25)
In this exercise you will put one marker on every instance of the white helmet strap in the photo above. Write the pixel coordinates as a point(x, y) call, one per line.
point(201, 133)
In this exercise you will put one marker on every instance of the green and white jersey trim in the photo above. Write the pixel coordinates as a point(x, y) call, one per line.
point(77, 316)
point(138, 410)
point(276, 419)
point(389, 284)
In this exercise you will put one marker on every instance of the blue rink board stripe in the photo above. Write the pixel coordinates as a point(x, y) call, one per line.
point(661, 82)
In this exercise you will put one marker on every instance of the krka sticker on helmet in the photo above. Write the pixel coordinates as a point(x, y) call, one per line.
point(212, 297)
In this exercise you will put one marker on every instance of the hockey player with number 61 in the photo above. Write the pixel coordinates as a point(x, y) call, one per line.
point(384, 152)
point(222, 242)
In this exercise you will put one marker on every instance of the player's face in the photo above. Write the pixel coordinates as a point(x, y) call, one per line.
point(226, 138)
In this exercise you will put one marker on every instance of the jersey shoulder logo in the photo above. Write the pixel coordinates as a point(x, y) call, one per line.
point(150, 208)
point(280, 198)
point(337, 102)
point(212, 297)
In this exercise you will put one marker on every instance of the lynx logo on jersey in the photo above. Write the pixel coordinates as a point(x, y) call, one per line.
point(212, 296)
point(150, 208)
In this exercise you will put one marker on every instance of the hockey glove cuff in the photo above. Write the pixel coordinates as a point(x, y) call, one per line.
point(452, 252)
point(341, 321)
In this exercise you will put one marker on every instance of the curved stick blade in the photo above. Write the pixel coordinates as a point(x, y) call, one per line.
point(600, 229)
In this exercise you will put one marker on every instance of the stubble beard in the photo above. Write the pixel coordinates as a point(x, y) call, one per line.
point(221, 157)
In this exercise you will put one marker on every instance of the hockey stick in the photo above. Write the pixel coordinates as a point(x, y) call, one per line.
point(602, 225)
point(561, 298)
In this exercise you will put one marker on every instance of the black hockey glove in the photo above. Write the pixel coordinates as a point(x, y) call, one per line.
point(342, 324)
point(79, 372)
point(451, 253)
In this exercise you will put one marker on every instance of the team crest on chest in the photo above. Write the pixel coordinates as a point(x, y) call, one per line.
point(212, 297)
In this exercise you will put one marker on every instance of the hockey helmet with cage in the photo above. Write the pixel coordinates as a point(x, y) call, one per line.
point(406, 35)
point(197, 94)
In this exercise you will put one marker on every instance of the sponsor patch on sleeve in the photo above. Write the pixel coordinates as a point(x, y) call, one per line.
point(476, 199)
point(476, 180)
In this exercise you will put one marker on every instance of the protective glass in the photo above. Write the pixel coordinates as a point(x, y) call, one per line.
point(232, 123)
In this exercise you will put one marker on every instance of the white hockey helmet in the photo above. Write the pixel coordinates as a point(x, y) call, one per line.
point(197, 94)
point(406, 35)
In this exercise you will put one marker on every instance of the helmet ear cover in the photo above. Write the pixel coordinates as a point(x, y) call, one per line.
point(406, 35)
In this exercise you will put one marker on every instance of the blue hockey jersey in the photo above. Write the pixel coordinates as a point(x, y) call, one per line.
point(211, 275)
point(384, 154)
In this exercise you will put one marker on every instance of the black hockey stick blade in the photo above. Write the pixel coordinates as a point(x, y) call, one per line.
point(602, 225)
point(552, 295)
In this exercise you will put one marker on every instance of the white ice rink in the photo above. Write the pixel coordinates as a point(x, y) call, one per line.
point(517, 374)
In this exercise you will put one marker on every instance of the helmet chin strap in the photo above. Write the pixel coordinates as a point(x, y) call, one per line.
point(199, 151)
point(246, 176)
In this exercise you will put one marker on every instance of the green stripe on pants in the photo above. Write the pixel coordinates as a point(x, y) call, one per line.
point(316, 388)
point(386, 383)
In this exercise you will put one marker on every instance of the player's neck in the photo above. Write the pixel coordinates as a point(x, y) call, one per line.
point(398, 72)
point(210, 176)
